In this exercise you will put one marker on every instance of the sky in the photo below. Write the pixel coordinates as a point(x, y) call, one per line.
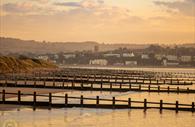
point(104, 21)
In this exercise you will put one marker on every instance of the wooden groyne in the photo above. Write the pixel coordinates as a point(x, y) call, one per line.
point(97, 102)
point(101, 79)
point(100, 87)
point(107, 76)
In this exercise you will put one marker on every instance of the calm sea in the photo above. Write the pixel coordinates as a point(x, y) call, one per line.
point(83, 117)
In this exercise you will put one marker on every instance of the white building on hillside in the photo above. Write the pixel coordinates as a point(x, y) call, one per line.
point(145, 56)
point(112, 55)
point(159, 56)
point(172, 57)
point(130, 63)
point(128, 55)
point(44, 57)
point(101, 62)
point(67, 56)
point(186, 58)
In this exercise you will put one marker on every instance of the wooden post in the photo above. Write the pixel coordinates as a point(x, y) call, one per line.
point(158, 88)
point(97, 100)
point(188, 90)
point(101, 85)
point(168, 89)
point(129, 102)
point(161, 105)
point(177, 90)
point(66, 99)
point(113, 102)
point(81, 100)
point(34, 98)
point(50, 100)
point(111, 86)
point(120, 86)
point(140, 87)
point(34, 101)
point(130, 86)
point(63, 84)
point(3, 96)
point(34, 83)
point(91, 86)
point(72, 84)
point(19, 96)
point(192, 106)
point(157, 82)
point(81, 85)
point(176, 106)
point(149, 88)
point(145, 104)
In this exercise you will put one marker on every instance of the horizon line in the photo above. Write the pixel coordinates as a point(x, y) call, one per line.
point(107, 43)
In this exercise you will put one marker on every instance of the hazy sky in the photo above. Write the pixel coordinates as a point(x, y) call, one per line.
point(108, 21)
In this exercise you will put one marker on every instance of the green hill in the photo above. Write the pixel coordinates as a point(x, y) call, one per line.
point(11, 64)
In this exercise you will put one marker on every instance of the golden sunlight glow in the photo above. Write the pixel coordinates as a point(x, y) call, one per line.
point(109, 21)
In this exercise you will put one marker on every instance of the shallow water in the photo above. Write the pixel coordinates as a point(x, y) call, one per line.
point(78, 117)
point(83, 117)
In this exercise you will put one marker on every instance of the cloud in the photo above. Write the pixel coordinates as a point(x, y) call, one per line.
point(26, 8)
point(97, 8)
point(42, 1)
point(17, 7)
point(82, 4)
point(186, 7)
point(70, 4)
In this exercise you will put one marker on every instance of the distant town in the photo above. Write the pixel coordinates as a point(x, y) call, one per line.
point(100, 54)
point(154, 55)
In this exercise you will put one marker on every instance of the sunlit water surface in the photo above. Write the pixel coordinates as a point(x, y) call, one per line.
point(83, 117)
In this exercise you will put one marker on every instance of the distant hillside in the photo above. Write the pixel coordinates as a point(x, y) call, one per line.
point(11, 64)
point(190, 45)
point(11, 45)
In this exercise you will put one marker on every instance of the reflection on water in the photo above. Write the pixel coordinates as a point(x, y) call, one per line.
point(77, 117)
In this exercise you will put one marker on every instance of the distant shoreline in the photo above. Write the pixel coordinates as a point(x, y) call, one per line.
point(112, 66)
